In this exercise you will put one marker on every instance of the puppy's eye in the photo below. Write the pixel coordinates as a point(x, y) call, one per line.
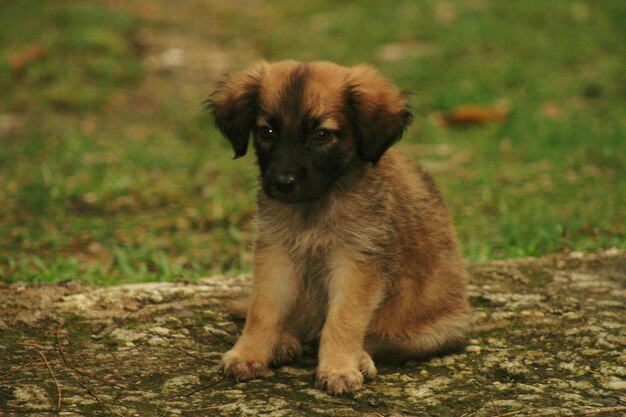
point(322, 135)
point(266, 133)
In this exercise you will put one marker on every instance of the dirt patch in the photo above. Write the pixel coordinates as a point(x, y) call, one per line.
point(549, 340)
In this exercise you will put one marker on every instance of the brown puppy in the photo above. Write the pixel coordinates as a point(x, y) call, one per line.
point(355, 246)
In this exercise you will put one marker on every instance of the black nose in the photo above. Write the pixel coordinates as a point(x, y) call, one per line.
point(285, 182)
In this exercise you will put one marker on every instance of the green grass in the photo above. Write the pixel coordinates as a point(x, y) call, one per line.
point(110, 172)
point(85, 51)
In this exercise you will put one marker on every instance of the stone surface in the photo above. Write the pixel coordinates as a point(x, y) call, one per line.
point(549, 340)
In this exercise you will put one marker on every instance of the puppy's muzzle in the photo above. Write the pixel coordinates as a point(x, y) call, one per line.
point(289, 184)
point(284, 182)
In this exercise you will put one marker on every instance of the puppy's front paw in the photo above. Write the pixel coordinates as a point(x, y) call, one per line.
point(287, 349)
point(241, 367)
point(367, 367)
point(339, 381)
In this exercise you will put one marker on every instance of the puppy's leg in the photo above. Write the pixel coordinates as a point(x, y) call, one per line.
point(274, 291)
point(354, 295)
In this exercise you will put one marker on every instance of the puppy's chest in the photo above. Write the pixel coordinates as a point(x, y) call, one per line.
point(312, 250)
point(302, 234)
point(310, 243)
point(316, 240)
point(312, 253)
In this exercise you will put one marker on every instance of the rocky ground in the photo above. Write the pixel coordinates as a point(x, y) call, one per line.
point(549, 340)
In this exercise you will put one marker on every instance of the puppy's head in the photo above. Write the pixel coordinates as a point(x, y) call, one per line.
point(310, 123)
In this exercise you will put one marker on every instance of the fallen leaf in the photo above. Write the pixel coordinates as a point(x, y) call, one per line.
point(10, 122)
point(472, 115)
point(550, 110)
point(29, 54)
point(392, 52)
point(445, 12)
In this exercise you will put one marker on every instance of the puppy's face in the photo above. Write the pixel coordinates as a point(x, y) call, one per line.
point(310, 122)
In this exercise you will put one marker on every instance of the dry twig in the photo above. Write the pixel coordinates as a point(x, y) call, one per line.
point(86, 374)
point(191, 410)
point(193, 355)
point(13, 371)
point(78, 370)
point(202, 388)
point(28, 344)
point(94, 395)
point(597, 411)
point(31, 411)
point(494, 405)
point(510, 413)
point(56, 381)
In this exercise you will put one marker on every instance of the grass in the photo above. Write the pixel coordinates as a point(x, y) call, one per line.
point(111, 172)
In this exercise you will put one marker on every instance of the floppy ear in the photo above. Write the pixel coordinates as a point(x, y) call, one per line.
point(380, 112)
point(233, 105)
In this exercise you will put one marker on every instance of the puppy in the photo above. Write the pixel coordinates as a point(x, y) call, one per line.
point(355, 247)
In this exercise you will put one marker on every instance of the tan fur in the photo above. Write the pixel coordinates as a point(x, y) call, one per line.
point(371, 268)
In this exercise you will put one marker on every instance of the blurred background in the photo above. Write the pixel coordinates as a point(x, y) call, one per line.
point(111, 171)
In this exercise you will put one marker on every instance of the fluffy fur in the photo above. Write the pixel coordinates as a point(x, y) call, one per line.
point(355, 247)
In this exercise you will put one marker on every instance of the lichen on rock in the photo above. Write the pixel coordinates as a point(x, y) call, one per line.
point(549, 340)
